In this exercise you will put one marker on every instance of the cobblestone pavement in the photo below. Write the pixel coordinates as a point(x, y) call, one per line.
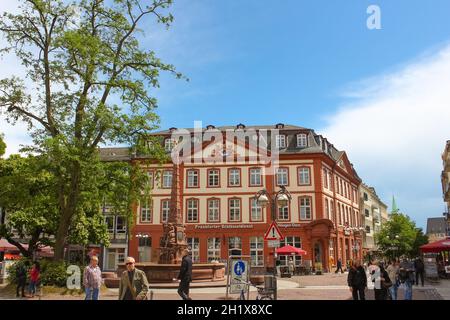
point(323, 287)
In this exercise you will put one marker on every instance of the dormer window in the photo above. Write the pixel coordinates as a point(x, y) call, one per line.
point(280, 141)
point(279, 126)
point(172, 129)
point(240, 126)
point(210, 126)
point(169, 144)
point(302, 140)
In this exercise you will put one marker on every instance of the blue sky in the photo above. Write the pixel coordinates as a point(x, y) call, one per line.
point(381, 95)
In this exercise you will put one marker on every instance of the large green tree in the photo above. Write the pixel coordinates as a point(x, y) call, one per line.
point(88, 82)
point(399, 236)
point(2, 145)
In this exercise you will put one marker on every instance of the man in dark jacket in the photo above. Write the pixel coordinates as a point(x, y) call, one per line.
point(357, 281)
point(185, 275)
point(420, 268)
point(339, 266)
point(21, 278)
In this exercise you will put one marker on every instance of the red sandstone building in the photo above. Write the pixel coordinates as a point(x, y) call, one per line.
point(222, 216)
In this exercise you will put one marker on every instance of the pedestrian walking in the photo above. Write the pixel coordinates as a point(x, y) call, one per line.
point(35, 274)
point(419, 267)
point(21, 278)
point(185, 275)
point(393, 270)
point(92, 279)
point(291, 266)
point(357, 281)
point(339, 266)
point(406, 276)
point(133, 283)
point(381, 281)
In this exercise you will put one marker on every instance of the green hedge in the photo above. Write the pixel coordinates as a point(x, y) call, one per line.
point(52, 273)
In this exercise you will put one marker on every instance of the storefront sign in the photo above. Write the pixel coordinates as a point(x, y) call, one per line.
point(224, 226)
point(289, 225)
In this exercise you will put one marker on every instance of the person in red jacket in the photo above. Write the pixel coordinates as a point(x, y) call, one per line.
point(35, 274)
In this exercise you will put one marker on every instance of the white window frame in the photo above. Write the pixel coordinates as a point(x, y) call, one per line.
point(255, 210)
point(214, 174)
point(169, 143)
point(280, 141)
point(194, 244)
point(234, 210)
point(255, 175)
point(192, 210)
point(234, 177)
point(257, 251)
point(213, 210)
point(304, 176)
point(214, 249)
point(165, 210)
point(192, 178)
point(283, 213)
point(302, 140)
point(145, 212)
point(282, 175)
point(167, 179)
point(234, 243)
point(304, 208)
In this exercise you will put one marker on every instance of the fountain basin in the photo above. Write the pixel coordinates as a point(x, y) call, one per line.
point(161, 273)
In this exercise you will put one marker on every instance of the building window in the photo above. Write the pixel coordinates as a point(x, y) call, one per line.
point(234, 246)
point(213, 249)
point(304, 176)
point(192, 210)
point(295, 242)
point(305, 208)
point(167, 179)
point(282, 176)
point(109, 220)
point(280, 141)
point(327, 209)
point(366, 197)
point(169, 144)
point(144, 249)
point(256, 210)
point(213, 178)
point(330, 181)
point(332, 217)
point(146, 211)
point(194, 245)
point(302, 140)
point(121, 226)
point(213, 210)
point(255, 177)
point(257, 251)
point(367, 212)
point(283, 213)
point(325, 178)
point(234, 177)
point(150, 179)
point(234, 210)
point(367, 229)
point(165, 210)
point(192, 178)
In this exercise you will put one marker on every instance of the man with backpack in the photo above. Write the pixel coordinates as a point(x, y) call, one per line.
point(357, 281)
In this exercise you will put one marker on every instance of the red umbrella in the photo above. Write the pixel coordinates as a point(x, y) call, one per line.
point(438, 246)
point(290, 250)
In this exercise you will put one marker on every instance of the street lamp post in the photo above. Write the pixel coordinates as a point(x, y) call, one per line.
point(281, 198)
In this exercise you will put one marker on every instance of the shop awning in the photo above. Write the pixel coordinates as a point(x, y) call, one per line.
point(438, 246)
point(6, 246)
point(290, 250)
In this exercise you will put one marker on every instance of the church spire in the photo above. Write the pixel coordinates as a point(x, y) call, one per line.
point(394, 206)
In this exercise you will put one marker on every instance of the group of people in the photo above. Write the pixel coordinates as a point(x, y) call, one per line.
point(386, 280)
point(133, 282)
point(23, 273)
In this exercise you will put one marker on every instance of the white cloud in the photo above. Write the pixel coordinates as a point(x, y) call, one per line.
point(395, 132)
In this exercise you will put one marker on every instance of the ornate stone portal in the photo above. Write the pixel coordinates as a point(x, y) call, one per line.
point(174, 237)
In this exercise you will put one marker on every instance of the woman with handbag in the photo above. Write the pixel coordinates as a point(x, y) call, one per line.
point(382, 282)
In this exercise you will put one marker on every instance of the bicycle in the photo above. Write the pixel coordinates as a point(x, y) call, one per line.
point(262, 293)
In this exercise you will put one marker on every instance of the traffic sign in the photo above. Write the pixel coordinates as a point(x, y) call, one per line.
point(273, 233)
point(273, 243)
point(239, 276)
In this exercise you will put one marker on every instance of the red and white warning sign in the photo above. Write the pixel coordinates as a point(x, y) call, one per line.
point(273, 233)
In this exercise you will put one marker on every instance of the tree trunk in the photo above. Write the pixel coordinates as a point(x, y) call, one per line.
point(67, 212)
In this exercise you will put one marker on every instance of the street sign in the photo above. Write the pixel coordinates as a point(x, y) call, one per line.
point(273, 243)
point(239, 278)
point(273, 233)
